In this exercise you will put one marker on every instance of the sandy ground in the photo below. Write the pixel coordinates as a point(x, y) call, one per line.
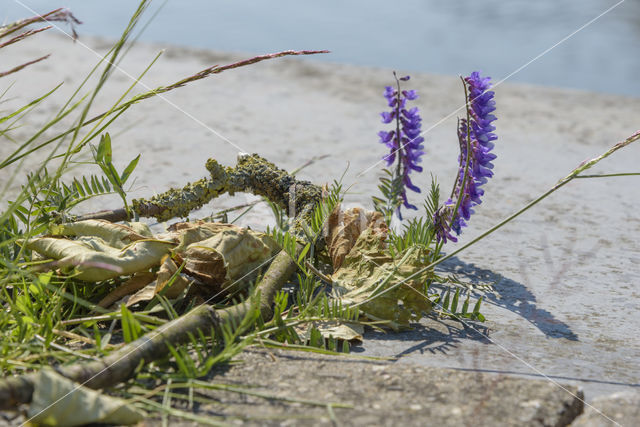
point(566, 274)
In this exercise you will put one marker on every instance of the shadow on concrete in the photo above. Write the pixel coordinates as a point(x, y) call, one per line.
point(437, 336)
point(510, 295)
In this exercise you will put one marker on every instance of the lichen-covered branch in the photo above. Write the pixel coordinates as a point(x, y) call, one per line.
point(252, 174)
point(258, 176)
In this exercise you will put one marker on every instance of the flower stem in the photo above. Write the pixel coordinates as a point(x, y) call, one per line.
point(497, 226)
point(399, 172)
point(608, 175)
point(455, 212)
point(574, 174)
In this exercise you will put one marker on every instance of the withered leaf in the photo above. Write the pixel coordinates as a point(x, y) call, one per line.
point(165, 273)
point(347, 331)
point(58, 401)
point(96, 261)
point(344, 227)
point(217, 255)
point(223, 256)
point(134, 284)
point(384, 288)
point(114, 235)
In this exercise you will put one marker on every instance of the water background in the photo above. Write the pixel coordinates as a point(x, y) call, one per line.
point(497, 37)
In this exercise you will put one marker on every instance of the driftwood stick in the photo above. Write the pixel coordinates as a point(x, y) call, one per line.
point(252, 174)
point(121, 364)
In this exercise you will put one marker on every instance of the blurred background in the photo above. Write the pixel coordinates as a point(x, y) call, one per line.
point(498, 37)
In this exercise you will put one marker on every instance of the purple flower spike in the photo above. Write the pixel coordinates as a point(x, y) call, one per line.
point(405, 141)
point(476, 133)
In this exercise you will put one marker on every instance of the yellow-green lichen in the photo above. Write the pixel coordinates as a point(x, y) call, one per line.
point(179, 203)
point(261, 177)
point(252, 174)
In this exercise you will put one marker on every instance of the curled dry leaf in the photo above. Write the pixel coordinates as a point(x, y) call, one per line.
point(344, 227)
point(204, 263)
point(172, 289)
point(58, 401)
point(368, 272)
point(114, 235)
point(134, 284)
point(95, 260)
point(145, 294)
point(222, 256)
point(167, 271)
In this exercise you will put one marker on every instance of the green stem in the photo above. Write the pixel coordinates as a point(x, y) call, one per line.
point(497, 226)
point(588, 163)
point(392, 202)
point(455, 213)
point(608, 175)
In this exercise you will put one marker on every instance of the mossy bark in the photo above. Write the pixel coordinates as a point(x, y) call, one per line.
point(252, 174)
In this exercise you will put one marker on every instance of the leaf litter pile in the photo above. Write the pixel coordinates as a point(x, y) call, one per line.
point(197, 294)
point(215, 259)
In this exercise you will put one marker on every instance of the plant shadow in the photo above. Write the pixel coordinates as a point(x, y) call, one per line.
point(434, 336)
point(512, 296)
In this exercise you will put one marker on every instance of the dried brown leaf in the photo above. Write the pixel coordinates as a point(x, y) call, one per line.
point(58, 401)
point(115, 235)
point(346, 226)
point(145, 294)
point(96, 261)
point(134, 284)
point(332, 329)
point(165, 273)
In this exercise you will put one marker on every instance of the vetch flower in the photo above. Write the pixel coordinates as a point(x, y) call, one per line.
point(442, 226)
point(475, 135)
point(404, 142)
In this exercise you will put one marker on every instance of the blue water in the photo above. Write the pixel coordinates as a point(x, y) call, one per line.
point(498, 37)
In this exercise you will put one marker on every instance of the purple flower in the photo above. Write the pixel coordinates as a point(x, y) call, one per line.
point(404, 142)
point(442, 226)
point(475, 135)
